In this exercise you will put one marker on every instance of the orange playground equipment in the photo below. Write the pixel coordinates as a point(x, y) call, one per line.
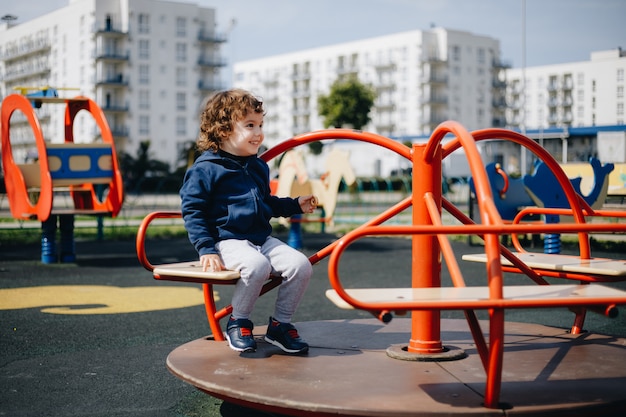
point(584, 286)
point(87, 171)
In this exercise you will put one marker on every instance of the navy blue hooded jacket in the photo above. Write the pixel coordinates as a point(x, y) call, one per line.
point(228, 197)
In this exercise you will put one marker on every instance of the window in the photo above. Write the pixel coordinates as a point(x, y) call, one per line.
point(144, 74)
point(181, 77)
point(144, 99)
point(144, 49)
point(620, 109)
point(181, 101)
point(456, 53)
point(481, 56)
point(181, 126)
point(144, 125)
point(181, 27)
point(620, 74)
point(181, 52)
point(144, 23)
point(620, 91)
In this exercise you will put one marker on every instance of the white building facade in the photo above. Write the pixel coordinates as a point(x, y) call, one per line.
point(575, 94)
point(567, 107)
point(149, 64)
point(421, 78)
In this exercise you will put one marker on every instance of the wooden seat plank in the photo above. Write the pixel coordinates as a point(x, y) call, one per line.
point(558, 262)
point(193, 269)
point(546, 293)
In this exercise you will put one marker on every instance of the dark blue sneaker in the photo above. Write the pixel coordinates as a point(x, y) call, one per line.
point(239, 335)
point(285, 336)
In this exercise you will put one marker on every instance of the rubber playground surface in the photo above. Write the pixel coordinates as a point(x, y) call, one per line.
point(90, 338)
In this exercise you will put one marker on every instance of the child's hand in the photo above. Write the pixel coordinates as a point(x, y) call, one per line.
point(308, 203)
point(211, 262)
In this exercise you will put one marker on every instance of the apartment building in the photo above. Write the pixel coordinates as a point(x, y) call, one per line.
point(149, 64)
point(574, 110)
point(421, 78)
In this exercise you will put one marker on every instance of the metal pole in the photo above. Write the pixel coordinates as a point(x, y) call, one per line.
point(426, 256)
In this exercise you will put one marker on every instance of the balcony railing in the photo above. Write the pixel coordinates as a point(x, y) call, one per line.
point(112, 56)
point(206, 36)
point(211, 62)
point(26, 48)
point(118, 81)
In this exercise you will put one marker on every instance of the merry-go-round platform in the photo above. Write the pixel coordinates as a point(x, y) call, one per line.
point(348, 371)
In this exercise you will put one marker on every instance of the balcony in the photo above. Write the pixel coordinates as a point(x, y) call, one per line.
point(347, 69)
point(113, 108)
point(385, 106)
point(554, 86)
point(213, 62)
point(389, 86)
point(568, 101)
point(110, 30)
point(301, 93)
point(498, 103)
point(433, 60)
point(434, 79)
point(554, 102)
point(117, 81)
point(210, 86)
point(500, 64)
point(434, 100)
point(210, 37)
point(385, 65)
point(300, 75)
point(498, 84)
point(119, 131)
point(498, 122)
point(112, 56)
point(385, 128)
point(25, 73)
point(25, 49)
point(301, 111)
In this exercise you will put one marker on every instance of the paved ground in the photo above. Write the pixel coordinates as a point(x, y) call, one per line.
point(91, 338)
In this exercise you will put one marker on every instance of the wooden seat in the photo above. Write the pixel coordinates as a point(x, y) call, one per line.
point(454, 298)
point(193, 269)
point(558, 262)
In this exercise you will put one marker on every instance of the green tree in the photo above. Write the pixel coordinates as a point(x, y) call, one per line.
point(136, 169)
point(348, 103)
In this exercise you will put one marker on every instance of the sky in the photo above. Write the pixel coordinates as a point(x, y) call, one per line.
point(531, 32)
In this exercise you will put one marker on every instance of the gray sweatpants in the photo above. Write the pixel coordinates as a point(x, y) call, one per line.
point(255, 263)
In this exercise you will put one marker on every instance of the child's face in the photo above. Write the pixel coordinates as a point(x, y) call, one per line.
point(246, 137)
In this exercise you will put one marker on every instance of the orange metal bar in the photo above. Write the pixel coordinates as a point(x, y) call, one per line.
point(425, 263)
point(209, 306)
point(505, 177)
point(85, 196)
point(19, 201)
point(457, 280)
point(332, 134)
point(444, 243)
point(140, 241)
point(584, 250)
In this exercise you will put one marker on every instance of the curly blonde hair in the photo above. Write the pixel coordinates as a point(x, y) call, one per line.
point(220, 113)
